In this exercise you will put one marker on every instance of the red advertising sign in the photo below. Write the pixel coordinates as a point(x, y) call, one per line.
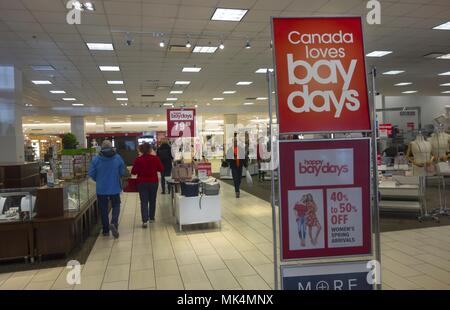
point(321, 75)
point(325, 198)
point(204, 170)
point(180, 123)
point(385, 130)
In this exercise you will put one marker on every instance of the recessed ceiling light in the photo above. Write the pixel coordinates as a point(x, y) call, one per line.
point(248, 103)
point(229, 92)
point(171, 99)
point(176, 92)
point(403, 84)
point(244, 83)
point(221, 45)
point(208, 103)
point(261, 98)
point(232, 15)
point(69, 99)
point(444, 26)
point(191, 69)
point(446, 92)
point(100, 46)
point(182, 82)
point(109, 68)
point(204, 49)
point(445, 73)
point(57, 91)
point(122, 99)
point(124, 104)
point(446, 56)
point(247, 45)
point(119, 91)
point(89, 6)
point(410, 92)
point(43, 68)
point(168, 104)
point(218, 99)
point(263, 70)
point(445, 84)
point(28, 105)
point(378, 53)
point(40, 82)
point(77, 104)
point(115, 82)
point(393, 72)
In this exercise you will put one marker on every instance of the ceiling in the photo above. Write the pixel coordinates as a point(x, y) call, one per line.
point(35, 32)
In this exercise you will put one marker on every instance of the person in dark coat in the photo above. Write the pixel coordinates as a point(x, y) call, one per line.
point(164, 153)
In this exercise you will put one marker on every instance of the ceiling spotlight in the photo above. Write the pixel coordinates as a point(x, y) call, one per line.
point(89, 6)
point(162, 44)
point(221, 46)
point(247, 45)
point(128, 38)
point(188, 43)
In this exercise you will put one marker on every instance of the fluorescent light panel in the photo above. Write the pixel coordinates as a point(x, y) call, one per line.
point(393, 72)
point(100, 46)
point(176, 92)
point(248, 103)
point(261, 98)
point(263, 70)
point(229, 92)
point(218, 99)
point(403, 84)
point(57, 91)
point(244, 83)
point(43, 68)
point(204, 49)
point(168, 104)
point(446, 56)
point(378, 53)
point(115, 82)
point(444, 26)
point(119, 91)
point(109, 68)
point(445, 73)
point(77, 104)
point(69, 99)
point(191, 69)
point(446, 92)
point(122, 99)
point(41, 82)
point(182, 82)
point(232, 15)
point(171, 99)
point(410, 92)
point(445, 84)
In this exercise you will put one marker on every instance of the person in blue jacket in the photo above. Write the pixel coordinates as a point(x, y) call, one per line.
point(107, 169)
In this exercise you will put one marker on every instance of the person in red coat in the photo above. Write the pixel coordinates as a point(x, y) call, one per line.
point(146, 167)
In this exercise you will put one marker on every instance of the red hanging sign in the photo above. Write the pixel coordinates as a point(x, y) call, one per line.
point(180, 123)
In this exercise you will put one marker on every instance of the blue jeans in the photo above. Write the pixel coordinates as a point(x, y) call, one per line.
point(103, 205)
point(147, 194)
point(166, 173)
point(301, 223)
point(236, 173)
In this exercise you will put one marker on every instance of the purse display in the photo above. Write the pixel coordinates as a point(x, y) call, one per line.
point(443, 168)
point(211, 188)
point(182, 172)
point(189, 189)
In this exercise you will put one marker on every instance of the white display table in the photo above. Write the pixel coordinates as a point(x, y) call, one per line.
point(189, 210)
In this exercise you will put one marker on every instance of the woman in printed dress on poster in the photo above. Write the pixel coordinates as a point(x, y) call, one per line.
point(311, 218)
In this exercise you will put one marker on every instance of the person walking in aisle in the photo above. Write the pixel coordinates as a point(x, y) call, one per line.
point(107, 169)
point(165, 155)
point(146, 167)
point(237, 160)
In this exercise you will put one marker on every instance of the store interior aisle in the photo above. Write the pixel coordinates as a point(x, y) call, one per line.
point(236, 256)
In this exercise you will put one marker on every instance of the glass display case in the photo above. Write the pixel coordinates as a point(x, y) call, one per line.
point(17, 204)
point(77, 193)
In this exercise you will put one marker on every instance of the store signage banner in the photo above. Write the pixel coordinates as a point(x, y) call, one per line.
point(331, 276)
point(180, 123)
point(325, 198)
point(320, 74)
point(204, 170)
point(385, 130)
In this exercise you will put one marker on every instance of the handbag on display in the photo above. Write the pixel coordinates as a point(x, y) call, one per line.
point(443, 168)
point(182, 172)
point(189, 189)
point(211, 188)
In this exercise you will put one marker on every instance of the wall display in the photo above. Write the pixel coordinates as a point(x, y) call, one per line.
point(325, 198)
point(180, 123)
point(330, 276)
point(321, 75)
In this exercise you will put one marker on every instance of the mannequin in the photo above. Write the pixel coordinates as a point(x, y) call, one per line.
point(440, 142)
point(419, 154)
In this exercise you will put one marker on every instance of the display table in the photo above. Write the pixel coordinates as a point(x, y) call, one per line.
point(173, 188)
point(197, 210)
point(400, 194)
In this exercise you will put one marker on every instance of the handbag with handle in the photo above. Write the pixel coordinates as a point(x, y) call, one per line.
point(443, 168)
point(211, 188)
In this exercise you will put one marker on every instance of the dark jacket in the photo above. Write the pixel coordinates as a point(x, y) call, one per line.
point(164, 153)
point(106, 170)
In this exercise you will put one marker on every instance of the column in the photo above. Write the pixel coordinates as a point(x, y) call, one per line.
point(77, 127)
point(230, 123)
point(11, 132)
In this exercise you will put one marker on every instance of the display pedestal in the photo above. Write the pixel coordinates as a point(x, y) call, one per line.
point(197, 210)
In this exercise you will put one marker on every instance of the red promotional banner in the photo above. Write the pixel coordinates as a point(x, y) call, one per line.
point(325, 198)
point(180, 123)
point(320, 74)
point(204, 170)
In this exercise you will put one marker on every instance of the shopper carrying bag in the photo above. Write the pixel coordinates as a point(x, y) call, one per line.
point(146, 167)
point(237, 160)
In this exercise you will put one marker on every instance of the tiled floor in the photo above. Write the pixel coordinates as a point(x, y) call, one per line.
point(236, 256)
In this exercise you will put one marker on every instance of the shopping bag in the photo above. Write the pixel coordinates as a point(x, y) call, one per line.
point(248, 177)
point(130, 186)
point(443, 168)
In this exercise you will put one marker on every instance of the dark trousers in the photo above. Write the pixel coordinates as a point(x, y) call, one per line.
point(147, 194)
point(167, 173)
point(102, 201)
point(236, 172)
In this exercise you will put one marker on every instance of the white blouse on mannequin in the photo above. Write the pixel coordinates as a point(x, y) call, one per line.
point(421, 152)
point(440, 142)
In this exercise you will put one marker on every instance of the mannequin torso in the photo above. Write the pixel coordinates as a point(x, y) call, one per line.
point(419, 153)
point(440, 142)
